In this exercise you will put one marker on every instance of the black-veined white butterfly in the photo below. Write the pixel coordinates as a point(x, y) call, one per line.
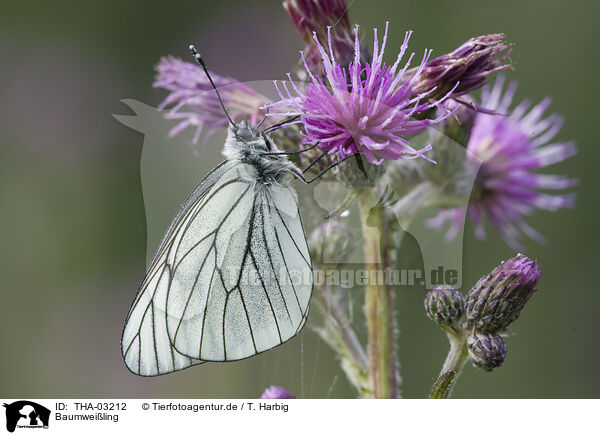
point(232, 276)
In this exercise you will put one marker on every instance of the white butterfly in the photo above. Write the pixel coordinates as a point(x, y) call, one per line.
point(232, 276)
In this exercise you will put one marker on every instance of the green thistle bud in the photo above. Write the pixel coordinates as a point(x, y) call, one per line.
point(487, 351)
point(330, 242)
point(497, 299)
point(445, 306)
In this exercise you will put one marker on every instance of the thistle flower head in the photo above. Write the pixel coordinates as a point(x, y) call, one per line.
point(194, 102)
point(469, 65)
point(445, 305)
point(487, 351)
point(364, 108)
point(512, 148)
point(276, 392)
point(496, 300)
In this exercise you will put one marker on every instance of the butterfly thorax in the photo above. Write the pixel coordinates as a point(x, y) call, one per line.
point(246, 144)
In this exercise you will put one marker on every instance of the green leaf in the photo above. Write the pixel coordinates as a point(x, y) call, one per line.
point(442, 386)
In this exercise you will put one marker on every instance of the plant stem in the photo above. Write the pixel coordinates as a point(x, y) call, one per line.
point(379, 310)
point(350, 340)
point(338, 333)
point(457, 355)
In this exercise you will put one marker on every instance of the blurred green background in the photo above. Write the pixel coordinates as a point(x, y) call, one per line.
point(72, 212)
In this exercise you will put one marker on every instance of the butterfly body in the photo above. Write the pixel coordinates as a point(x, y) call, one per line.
point(232, 276)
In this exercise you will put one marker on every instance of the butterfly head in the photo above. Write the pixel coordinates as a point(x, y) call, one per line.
point(246, 132)
point(244, 138)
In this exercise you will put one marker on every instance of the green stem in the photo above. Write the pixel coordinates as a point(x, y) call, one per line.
point(457, 355)
point(379, 310)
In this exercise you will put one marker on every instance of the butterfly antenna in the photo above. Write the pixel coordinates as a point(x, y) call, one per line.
point(331, 166)
point(281, 124)
point(198, 59)
point(263, 120)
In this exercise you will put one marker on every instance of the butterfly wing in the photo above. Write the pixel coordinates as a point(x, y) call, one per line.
point(232, 277)
point(145, 344)
point(243, 286)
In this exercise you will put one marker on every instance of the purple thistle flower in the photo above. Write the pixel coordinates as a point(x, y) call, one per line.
point(194, 102)
point(276, 392)
point(469, 65)
point(512, 148)
point(364, 109)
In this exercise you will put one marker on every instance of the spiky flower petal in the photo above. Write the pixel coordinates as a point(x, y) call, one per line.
point(512, 148)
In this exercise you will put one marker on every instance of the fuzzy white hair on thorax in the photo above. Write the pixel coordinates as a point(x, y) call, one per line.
point(247, 144)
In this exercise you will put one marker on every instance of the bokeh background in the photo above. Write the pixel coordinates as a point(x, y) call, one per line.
point(72, 212)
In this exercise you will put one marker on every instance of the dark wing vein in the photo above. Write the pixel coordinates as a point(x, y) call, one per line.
point(286, 266)
point(262, 283)
point(271, 263)
point(308, 263)
point(204, 203)
point(245, 257)
point(212, 276)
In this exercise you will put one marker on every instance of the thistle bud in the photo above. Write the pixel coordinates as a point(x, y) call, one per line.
point(487, 351)
point(276, 392)
point(330, 242)
point(445, 305)
point(497, 299)
point(318, 17)
point(469, 66)
point(315, 15)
